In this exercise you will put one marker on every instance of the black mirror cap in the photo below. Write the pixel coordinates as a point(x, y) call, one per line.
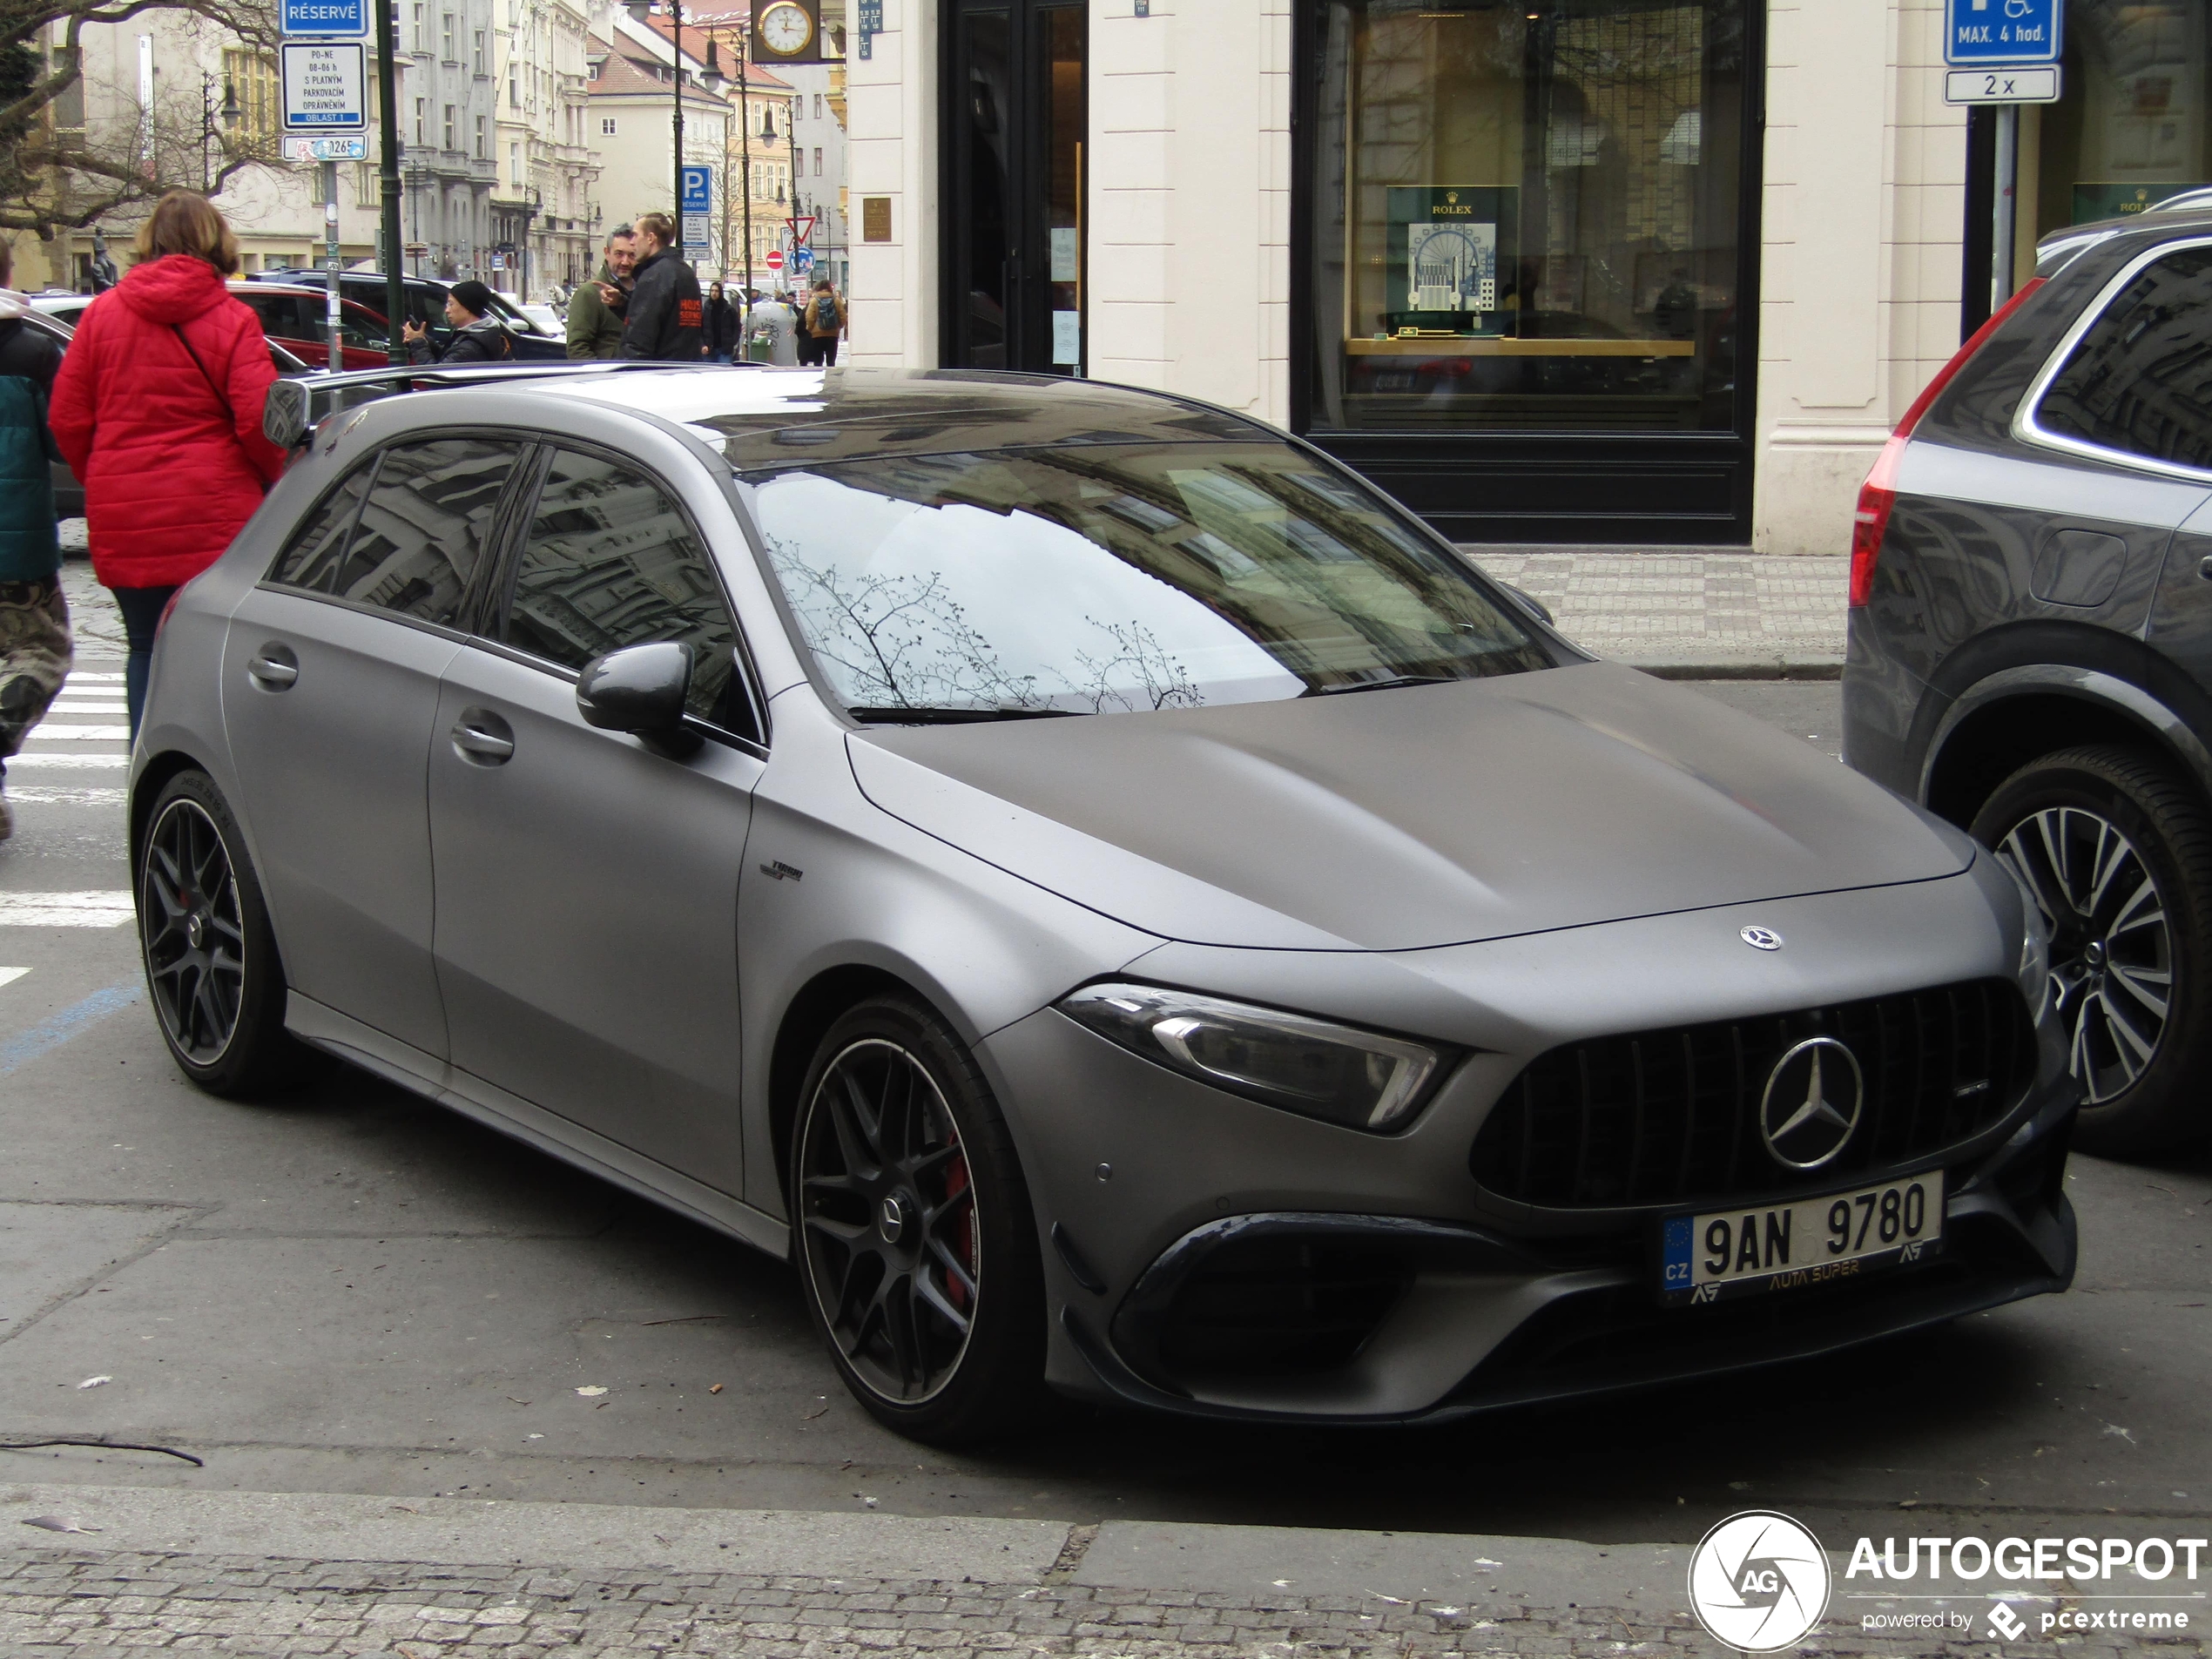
point(639, 689)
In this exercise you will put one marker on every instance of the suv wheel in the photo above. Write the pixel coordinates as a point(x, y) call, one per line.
point(915, 1236)
point(2117, 852)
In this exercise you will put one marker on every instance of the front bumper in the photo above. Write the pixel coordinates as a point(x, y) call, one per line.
point(1209, 1256)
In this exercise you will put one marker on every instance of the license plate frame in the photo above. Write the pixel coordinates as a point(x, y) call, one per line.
point(1790, 1241)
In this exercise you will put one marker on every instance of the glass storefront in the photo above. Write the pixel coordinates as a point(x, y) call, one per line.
point(1528, 217)
point(2135, 125)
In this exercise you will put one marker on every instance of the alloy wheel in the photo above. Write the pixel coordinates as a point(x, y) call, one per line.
point(195, 941)
point(887, 1221)
point(2112, 948)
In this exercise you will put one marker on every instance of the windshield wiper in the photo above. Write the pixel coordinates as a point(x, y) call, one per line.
point(1390, 685)
point(950, 717)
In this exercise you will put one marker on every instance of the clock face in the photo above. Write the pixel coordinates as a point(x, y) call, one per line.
point(785, 28)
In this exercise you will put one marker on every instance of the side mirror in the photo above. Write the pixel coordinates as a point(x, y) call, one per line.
point(639, 689)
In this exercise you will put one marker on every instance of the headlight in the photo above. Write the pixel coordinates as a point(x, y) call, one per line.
point(2033, 972)
point(1308, 1065)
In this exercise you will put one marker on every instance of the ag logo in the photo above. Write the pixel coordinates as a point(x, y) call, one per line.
point(1758, 1582)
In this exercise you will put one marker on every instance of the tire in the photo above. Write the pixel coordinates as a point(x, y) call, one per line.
point(213, 973)
point(913, 1233)
point(2118, 850)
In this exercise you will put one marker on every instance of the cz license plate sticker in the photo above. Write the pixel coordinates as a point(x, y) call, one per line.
point(1811, 1241)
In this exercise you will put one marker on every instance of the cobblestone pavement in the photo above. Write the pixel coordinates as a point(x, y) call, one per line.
point(85, 1602)
point(92, 616)
point(1683, 610)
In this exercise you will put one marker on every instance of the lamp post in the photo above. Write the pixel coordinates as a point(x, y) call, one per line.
point(208, 112)
point(744, 152)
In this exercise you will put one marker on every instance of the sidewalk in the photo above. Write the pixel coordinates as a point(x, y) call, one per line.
point(1689, 613)
point(233, 1572)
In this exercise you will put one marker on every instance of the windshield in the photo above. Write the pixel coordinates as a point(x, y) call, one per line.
point(1113, 578)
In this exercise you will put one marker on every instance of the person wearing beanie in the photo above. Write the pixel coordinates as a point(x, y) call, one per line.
point(477, 338)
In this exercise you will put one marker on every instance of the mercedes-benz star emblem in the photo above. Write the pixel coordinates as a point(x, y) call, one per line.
point(1812, 1105)
point(891, 1220)
point(1761, 938)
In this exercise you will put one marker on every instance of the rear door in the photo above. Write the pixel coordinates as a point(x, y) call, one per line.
point(330, 686)
point(587, 882)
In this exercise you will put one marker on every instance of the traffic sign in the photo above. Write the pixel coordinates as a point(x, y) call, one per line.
point(326, 86)
point(802, 230)
point(802, 260)
point(698, 189)
point(1978, 33)
point(347, 149)
point(775, 260)
point(698, 235)
point(306, 18)
point(2002, 85)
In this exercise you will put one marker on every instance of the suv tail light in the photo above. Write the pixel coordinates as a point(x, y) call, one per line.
point(1878, 494)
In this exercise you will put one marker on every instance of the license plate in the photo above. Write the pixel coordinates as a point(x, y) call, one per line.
point(1812, 1241)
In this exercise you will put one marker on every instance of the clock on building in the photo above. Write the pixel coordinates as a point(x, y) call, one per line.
point(789, 31)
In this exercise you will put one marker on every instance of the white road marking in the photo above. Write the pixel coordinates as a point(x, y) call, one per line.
point(87, 674)
point(28, 761)
point(43, 795)
point(64, 909)
point(10, 976)
point(50, 732)
point(86, 704)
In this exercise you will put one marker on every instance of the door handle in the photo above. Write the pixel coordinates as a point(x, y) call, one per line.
point(273, 668)
point(483, 740)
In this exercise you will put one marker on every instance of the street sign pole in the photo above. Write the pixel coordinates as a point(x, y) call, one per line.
point(2003, 53)
point(331, 261)
point(388, 112)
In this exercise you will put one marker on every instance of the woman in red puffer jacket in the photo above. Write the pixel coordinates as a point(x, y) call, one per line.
point(157, 408)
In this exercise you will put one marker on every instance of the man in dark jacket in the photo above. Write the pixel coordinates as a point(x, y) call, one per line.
point(35, 649)
point(597, 309)
point(477, 338)
point(666, 316)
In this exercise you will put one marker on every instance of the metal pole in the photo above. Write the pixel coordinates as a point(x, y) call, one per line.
point(330, 262)
point(388, 112)
point(2003, 207)
point(676, 38)
point(745, 149)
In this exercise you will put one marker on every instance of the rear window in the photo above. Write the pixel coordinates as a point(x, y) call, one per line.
point(2139, 380)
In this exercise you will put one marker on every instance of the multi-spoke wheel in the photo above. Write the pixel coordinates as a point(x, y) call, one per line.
point(211, 962)
point(2118, 853)
point(913, 1228)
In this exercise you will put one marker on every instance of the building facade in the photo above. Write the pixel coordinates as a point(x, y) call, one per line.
point(633, 79)
point(447, 122)
point(1627, 270)
point(818, 163)
point(541, 208)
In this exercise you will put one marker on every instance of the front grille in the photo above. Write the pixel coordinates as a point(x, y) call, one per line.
point(1671, 1117)
point(1272, 1306)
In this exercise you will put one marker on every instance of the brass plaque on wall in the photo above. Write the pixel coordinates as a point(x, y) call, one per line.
point(876, 218)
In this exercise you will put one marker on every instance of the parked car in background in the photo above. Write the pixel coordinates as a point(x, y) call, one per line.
point(547, 319)
point(296, 316)
point(57, 321)
point(2031, 643)
point(426, 304)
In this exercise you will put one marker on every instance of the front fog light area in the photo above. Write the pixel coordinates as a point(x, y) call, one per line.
point(1312, 1067)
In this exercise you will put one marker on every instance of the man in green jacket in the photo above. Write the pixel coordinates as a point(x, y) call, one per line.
point(597, 310)
point(35, 649)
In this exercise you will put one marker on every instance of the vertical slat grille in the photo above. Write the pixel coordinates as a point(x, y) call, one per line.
point(1669, 1117)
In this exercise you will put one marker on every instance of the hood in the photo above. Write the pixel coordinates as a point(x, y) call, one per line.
point(1399, 819)
point(12, 304)
point(174, 288)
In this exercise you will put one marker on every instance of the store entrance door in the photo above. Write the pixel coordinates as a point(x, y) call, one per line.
point(1014, 167)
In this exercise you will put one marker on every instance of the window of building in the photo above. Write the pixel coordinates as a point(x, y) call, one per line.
point(418, 40)
point(1527, 217)
point(607, 125)
point(450, 142)
point(515, 165)
point(252, 77)
point(421, 115)
point(447, 37)
point(482, 154)
point(479, 61)
point(818, 106)
point(514, 88)
point(818, 161)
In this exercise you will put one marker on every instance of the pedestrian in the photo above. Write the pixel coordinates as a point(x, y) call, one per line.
point(478, 335)
point(820, 324)
point(721, 325)
point(157, 408)
point(595, 309)
point(774, 332)
point(667, 317)
point(35, 648)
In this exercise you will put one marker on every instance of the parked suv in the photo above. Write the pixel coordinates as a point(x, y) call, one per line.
point(2031, 643)
point(426, 303)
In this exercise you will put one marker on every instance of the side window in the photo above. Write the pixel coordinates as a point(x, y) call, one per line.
point(610, 562)
point(421, 529)
point(2141, 380)
point(318, 547)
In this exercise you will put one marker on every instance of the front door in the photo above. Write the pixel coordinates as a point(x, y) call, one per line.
point(587, 882)
point(1014, 242)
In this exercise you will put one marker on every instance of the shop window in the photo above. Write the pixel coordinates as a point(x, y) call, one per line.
point(1527, 217)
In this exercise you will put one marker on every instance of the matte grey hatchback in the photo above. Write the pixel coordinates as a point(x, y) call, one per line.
point(1123, 905)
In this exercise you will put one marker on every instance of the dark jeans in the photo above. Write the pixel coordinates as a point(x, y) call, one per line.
point(141, 609)
point(822, 350)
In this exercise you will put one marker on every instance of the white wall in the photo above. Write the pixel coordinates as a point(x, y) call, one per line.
point(891, 152)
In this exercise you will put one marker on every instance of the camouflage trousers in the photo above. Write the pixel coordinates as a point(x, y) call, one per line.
point(35, 656)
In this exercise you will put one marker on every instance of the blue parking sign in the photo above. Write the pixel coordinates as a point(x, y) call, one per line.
point(346, 19)
point(2002, 31)
point(699, 190)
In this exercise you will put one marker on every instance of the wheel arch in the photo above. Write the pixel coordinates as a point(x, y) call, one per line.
point(146, 788)
point(812, 1009)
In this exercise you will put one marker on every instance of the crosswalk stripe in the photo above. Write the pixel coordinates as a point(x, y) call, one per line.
point(75, 675)
point(65, 909)
point(28, 761)
point(50, 732)
point(42, 795)
point(10, 976)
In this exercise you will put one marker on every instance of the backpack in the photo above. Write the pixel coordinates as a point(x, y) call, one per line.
point(826, 319)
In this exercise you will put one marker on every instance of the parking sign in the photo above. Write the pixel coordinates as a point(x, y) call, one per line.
point(326, 86)
point(1978, 32)
point(340, 18)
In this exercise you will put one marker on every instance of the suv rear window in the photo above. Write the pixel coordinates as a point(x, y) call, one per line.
point(2139, 382)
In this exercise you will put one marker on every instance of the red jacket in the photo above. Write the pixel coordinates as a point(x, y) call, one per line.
point(172, 459)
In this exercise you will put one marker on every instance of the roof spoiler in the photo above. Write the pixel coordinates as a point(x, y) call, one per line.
point(296, 407)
